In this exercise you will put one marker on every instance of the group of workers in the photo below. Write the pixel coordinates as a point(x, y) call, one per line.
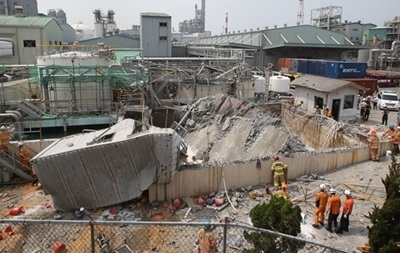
point(23, 152)
point(330, 205)
point(326, 112)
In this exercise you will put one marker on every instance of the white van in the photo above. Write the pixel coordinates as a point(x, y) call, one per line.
point(388, 99)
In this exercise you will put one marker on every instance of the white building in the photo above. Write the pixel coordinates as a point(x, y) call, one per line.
point(338, 95)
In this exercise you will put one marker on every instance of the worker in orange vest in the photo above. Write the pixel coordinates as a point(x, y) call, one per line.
point(206, 239)
point(396, 141)
point(320, 206)
point(347, 209)
point(5, 138)
point(25, 156)
point(373, 141)
point(333, 210)
point(328, 113)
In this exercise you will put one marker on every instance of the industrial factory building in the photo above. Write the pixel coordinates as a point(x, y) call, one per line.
point(155, 34)
point(11, 7)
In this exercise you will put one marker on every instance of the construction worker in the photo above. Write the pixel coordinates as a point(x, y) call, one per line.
point(373, 141)
point(389, 132)
point(282, 193)
point(5, 138)
point(25, 156)
point(206, 239)
point(347, 209)
point(396, 141)
point(328, 113)
point(278, 168)
point(320, 206)
point(317, 110)
point(333, 210)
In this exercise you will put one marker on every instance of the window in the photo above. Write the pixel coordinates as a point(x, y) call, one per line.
point(163, 23)
point(348, 101)
point(318, 101)
point(163, 37)
point(50, 43)
point(29, 43)
point(355, 29)
point(357, 38)
point(55, 43)
point(6, 47)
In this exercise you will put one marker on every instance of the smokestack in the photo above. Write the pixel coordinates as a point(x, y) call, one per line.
point(203, 14)
point(226, 24)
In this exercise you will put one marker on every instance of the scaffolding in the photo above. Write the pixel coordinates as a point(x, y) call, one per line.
point(328, 18)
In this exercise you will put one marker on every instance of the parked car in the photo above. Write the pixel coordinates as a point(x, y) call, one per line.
point(388, 99)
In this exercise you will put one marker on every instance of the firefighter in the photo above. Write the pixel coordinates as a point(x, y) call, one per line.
point(317, 110)
point(206, 239)
point(389, 132)
point(347, 209)
point(25, 156)
point(282, 193)
point(5, 138)
point(396, 141)
point(320, 205)
point(373, 141)
point(278, 168)
point(333, 210)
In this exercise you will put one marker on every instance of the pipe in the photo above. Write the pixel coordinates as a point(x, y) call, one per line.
point(371, 53)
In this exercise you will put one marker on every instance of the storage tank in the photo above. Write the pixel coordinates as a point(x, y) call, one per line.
point(260, 85)
point(280, 84)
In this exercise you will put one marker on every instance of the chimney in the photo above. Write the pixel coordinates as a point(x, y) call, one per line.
point(285, 25)
point(19, 11)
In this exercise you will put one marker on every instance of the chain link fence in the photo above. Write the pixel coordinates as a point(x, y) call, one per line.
point(34, 236)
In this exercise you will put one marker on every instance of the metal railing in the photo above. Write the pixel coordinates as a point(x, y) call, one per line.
point(86, 236)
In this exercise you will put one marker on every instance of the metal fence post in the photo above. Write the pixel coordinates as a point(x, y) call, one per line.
point(224, 243)
point(92, 235)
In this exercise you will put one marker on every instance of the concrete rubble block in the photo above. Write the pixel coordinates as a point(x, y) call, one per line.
point(191, 123)
point(227, 124)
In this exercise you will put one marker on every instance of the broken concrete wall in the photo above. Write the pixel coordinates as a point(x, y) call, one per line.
point(199, 181)
point(317, 131)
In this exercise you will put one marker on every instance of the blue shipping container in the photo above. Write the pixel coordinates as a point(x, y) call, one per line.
point(322, 67)
point(312, 67)
point(302, 66)
point(346, 69)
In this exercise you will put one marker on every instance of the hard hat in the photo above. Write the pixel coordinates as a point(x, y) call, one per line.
point(391, 126)
point(322, 186)
point(207, 224)
point(316, 106)
point(398, 127)
point(81, 209)
point(332, 190)
point(276, 157)
point(284, 186)
point(3, 128)
point(347, 192)
point(20, 144)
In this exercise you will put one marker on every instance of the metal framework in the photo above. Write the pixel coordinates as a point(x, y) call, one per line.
point(329, 18)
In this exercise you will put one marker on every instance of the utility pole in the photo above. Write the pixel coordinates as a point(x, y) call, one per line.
point(226, 24)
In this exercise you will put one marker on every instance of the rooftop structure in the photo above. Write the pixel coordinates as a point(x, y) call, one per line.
point(196, 25)
point(328, 18)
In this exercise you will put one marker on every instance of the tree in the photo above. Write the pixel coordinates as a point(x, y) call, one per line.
point(278, 215)
point(384, 234)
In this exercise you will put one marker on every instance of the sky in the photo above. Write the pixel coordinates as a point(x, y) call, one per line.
point(242, 14)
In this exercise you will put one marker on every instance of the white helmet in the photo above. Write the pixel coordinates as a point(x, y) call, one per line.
point(20, 144)
point(332, 190)
point(322, 186)
point(3, 128)
point(347, 192)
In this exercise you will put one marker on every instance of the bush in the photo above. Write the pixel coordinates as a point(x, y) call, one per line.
point(384, 234)
point(278, 215)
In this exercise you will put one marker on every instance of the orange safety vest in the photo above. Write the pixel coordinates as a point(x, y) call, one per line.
point(5, 138)
point(334, 204)
point(321, 200)
point(207, 242)
point(348, 206)
point(396, 137)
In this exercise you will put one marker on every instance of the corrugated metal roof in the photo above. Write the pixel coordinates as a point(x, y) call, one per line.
point(304, 35)
point(154, 14)
point(323, 84)
point(33, 21)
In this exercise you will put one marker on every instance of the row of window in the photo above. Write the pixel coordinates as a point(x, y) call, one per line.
point(348, 101)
